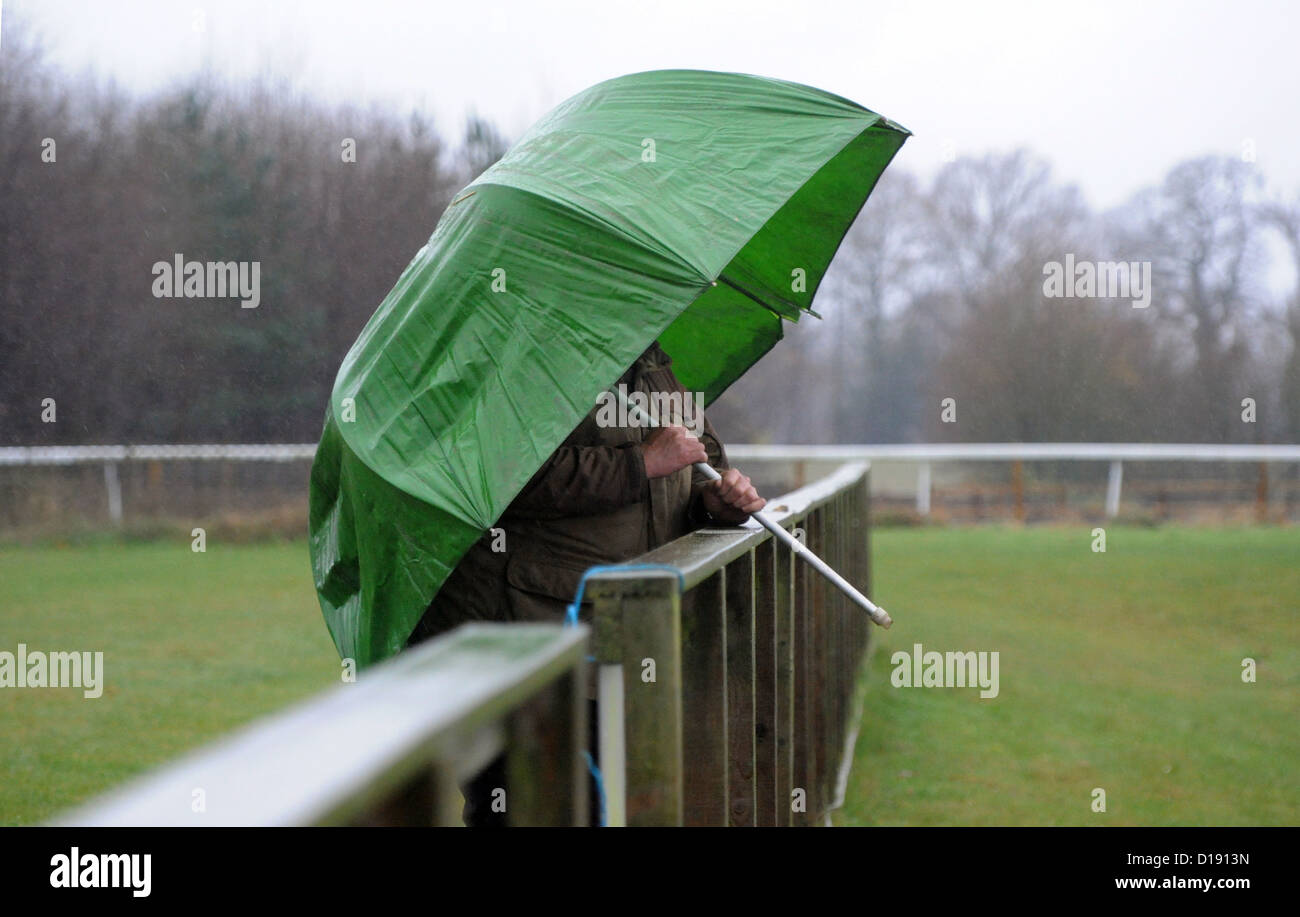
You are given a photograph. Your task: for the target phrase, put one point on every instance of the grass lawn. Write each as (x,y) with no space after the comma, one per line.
(194,645)
(1118,670)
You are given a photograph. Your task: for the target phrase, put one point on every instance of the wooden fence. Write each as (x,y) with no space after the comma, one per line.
(726,687)
(726,692)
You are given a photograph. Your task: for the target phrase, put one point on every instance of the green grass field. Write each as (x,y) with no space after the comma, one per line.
(1118,670)
(194,645)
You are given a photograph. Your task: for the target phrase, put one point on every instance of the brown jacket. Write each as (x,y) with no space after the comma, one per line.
(590,503)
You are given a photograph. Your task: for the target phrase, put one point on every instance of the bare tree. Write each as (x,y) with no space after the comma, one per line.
(1285,218)
(1200,230)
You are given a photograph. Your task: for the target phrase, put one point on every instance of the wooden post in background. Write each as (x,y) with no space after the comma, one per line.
(1018,488)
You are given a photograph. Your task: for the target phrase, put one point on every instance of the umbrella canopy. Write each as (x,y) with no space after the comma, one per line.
(693,207)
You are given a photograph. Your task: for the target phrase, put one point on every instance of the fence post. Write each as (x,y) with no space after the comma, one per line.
(923,489)
(114,487)
(611,739)
(821,678)
(740,691)
(838,649)
(638,625)
(767,650)
(862,527)
(1113,484)
(447,803)
(1018,488)
(546,776)
(705,702)
(804,736)
(785,681)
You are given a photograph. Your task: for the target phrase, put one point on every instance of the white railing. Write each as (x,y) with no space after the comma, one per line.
(111,456)
(1002,452)
(921,452)
(89,455)
(923,455)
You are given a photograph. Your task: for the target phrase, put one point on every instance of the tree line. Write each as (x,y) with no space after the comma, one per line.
(941,324)
(937,322)
(97,187)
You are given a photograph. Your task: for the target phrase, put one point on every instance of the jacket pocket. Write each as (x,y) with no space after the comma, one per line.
(539,571)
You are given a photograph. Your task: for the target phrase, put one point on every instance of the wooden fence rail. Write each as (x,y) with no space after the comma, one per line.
(392,748)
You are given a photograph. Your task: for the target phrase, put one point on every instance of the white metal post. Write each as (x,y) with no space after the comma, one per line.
(612,743)
(1113,484)
(114,488)
(923,489)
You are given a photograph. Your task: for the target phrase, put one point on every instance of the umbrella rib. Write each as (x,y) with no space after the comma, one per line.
(739,289)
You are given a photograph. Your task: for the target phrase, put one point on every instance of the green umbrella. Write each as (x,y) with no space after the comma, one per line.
(697,208)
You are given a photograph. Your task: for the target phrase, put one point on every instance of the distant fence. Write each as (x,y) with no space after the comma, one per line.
(726,697)
(68,486)
(1268,498)
(56,487)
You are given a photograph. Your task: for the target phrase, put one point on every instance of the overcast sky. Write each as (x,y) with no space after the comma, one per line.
(1111,93)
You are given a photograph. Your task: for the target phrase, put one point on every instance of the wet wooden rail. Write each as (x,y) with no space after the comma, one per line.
(392,748)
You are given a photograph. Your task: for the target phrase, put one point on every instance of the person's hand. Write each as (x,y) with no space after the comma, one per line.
(731,499)
(670,449)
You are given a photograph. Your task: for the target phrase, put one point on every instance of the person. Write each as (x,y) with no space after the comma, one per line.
(610,492)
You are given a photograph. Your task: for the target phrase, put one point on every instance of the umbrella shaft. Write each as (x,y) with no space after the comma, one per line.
(874,611)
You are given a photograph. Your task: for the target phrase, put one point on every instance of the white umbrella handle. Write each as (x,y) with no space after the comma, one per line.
(874,611)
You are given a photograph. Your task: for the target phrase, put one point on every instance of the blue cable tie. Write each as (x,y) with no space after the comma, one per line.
(571,614)
(600,787)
